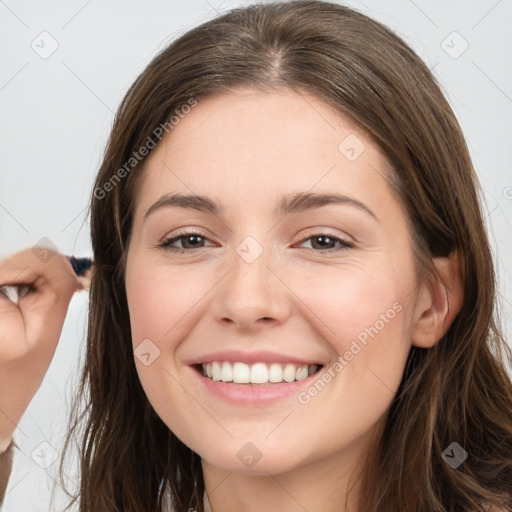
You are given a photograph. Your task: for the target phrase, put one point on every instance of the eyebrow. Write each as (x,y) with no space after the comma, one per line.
(289,204)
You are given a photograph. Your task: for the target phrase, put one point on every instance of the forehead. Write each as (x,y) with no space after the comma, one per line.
(264,142)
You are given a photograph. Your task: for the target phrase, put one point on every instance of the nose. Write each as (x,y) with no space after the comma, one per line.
(252,295)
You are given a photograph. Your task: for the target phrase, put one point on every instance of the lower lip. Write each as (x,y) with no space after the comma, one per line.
(257,394)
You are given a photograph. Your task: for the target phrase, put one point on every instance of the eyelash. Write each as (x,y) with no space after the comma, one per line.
(167,243)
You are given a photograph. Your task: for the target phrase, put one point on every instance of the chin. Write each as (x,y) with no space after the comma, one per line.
(254,458)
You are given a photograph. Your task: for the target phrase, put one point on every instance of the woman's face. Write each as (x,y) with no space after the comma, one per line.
(269,285)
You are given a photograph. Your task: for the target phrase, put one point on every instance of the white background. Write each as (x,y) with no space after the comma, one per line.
(56,115)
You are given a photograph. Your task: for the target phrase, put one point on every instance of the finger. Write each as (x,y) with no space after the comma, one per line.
(25,267)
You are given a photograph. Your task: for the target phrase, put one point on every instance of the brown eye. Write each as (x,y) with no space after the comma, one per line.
(325,243)
(189,242)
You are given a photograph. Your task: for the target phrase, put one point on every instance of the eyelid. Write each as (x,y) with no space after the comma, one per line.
(184,232)
(165,243)
(345,244)
(319,232)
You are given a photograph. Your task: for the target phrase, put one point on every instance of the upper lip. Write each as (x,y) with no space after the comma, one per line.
(262,356)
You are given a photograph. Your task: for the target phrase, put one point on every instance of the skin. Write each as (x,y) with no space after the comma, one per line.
(30,328)
(246,150)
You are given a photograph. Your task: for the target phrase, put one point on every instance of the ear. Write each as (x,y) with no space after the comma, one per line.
(438,302)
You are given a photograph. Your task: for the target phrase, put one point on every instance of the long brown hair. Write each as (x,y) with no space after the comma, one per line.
(457,391)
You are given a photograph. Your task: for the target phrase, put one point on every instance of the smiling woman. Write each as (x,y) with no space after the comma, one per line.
(288,310)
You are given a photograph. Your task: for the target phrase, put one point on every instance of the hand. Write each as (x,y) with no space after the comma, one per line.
(30,329)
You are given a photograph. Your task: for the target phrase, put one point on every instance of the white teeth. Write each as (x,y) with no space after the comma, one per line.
(226,374)
(289,373)
(215,370)
(241,373)
(275,373)
(257,373)
(302,373)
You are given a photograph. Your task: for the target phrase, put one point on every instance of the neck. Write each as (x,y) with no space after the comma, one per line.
(330,484)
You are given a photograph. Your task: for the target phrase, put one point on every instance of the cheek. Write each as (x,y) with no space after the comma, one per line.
(159,300)
(354,303)
(364,318)
(158,297)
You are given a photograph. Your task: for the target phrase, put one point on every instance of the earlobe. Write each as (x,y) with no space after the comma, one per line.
(440,298)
